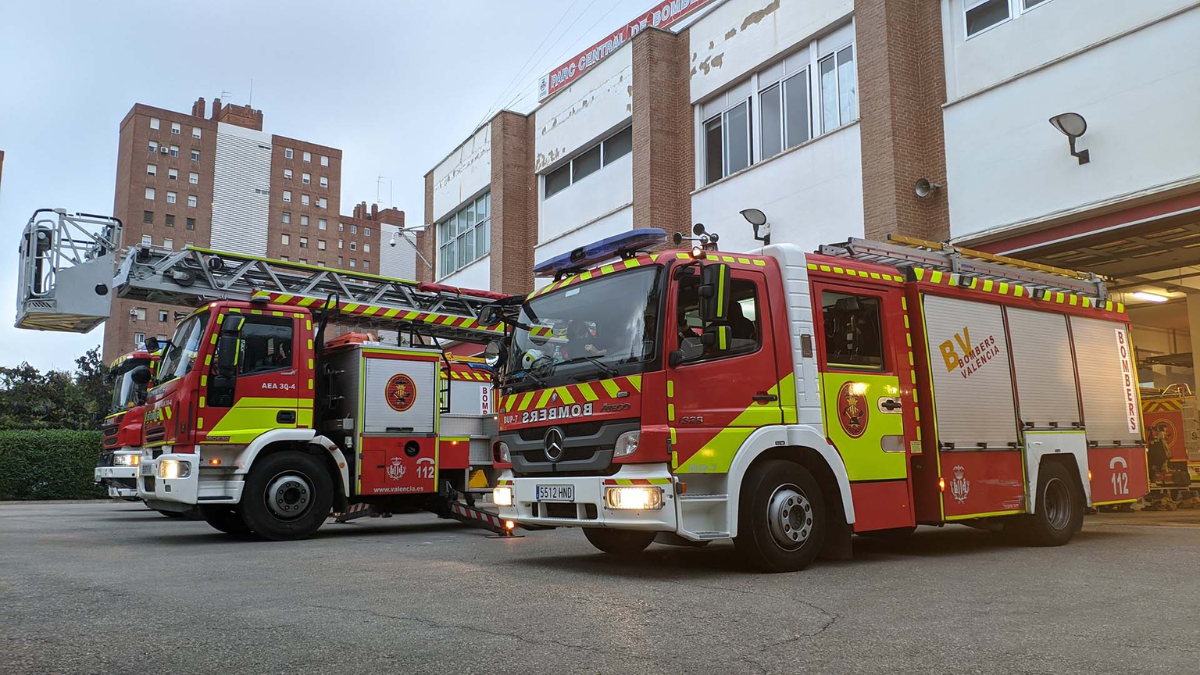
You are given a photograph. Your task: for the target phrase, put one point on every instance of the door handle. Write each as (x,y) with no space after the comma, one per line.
(286,417)
(890,404)
(764,397)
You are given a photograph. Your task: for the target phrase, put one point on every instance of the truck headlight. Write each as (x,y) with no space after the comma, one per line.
(172,468)
(502,496)
(633,498)
(627,443)
(126,460)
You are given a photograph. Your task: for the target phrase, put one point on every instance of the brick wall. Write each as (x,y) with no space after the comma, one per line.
(514,203)
(427,238)
(296,210)
(902,85)
(662,131)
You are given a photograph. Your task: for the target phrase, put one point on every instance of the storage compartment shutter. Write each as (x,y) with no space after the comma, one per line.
(1041,349)
(380,417)
(972,383)
(1107,381)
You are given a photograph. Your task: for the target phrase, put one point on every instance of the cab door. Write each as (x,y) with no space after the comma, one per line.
(717,398)
(266,391)
(863,354)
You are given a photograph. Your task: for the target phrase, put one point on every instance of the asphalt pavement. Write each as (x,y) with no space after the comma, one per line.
(112,587)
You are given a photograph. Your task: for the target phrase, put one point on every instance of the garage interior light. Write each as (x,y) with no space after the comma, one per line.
(1150,297)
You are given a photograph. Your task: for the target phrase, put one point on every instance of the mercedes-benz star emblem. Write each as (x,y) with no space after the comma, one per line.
(554,444)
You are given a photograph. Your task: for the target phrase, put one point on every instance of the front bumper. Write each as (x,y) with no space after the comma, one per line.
(590,509)
(120,480)
(199,486)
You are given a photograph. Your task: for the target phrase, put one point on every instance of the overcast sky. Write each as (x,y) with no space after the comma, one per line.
(396,85)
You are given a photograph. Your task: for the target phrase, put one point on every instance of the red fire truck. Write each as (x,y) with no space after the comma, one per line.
(117,465)
(250,414)
(786,400)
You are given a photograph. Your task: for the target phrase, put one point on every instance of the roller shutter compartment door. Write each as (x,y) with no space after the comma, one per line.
(1045,371)
(972,382)
(1107,382)
(400,395)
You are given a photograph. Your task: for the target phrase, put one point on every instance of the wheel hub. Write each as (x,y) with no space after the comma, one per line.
(1056,499)
(288,496)
(790,516)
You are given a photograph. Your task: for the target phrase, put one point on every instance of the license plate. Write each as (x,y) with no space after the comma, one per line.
(147,469)
(556,493)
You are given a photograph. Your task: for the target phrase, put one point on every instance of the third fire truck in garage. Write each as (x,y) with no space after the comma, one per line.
(786,399)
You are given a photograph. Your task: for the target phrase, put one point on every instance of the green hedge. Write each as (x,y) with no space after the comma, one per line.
(50,464)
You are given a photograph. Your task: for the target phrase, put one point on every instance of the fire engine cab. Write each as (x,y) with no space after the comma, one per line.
(117,465)
(786,400)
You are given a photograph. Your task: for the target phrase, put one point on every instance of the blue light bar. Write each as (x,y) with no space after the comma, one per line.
(591,255)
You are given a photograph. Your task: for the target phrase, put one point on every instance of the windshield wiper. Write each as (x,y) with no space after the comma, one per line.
(527,374)
(608,370)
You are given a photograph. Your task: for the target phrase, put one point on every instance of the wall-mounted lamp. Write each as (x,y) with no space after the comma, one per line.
(924,188)
(758,220)
(1073,126)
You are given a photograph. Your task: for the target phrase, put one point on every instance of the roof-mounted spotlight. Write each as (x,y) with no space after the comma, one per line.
(1072,125)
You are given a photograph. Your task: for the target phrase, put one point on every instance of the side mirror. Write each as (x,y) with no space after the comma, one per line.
(490,316)
(494,353)
(227,352)
(716,338)
(675,358)
(232,325)
(151,344)
(715,283)
(140,375)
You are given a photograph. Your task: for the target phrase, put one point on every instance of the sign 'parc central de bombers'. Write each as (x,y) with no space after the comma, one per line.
(662,15)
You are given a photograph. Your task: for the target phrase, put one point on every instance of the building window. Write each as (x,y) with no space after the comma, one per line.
(138,339)
(151,170)
(340,261)
(287,217)
(287,174)
(146,241)
(304,200)
(366,264)
(366,231)
(193,178)
(341,244)
(1027,5)
(308,156)
(169,244)
(839,89)
(981,15)
(322,203)
(287,195)
(154,123)
(727,142)
(172,174)
(171,197)
(175,128)
(287,153)
(354,246)
(285,239)
(191,223)
(195,155)
(154,147)
(322,224)
(784,114)
(320,263)
(465,236)
(303,242)
(353,229)
(148,217)
(196,133)
(305,178)
(149,193)
(303,220)
(163,315)
(193,201)
(174,150)
(353,263)
(341,227)
(590,161)
(324,181)
(170,222)
(320,244)
(304,261)
(324,160)
(367,247)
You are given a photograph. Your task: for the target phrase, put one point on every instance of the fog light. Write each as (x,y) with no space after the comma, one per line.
(170,469)
(509,525)
(627,443)
(633,498)
(502,496)
(126,460)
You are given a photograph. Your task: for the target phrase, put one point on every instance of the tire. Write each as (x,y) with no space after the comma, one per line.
(619,542)
(226,519)
(781,517)
(287,496)
(1059,509)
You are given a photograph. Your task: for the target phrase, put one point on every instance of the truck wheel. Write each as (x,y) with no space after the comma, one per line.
(619,542)
(1059,509)
(224,518)
(287,496)
(781,517)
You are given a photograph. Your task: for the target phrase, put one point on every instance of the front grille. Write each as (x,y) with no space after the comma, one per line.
(577,429)
(105,459)
(111,430)
(156,435)
(569,454)
(565,511)
(128,483)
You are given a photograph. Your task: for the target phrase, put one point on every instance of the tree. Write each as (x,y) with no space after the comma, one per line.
(30,399)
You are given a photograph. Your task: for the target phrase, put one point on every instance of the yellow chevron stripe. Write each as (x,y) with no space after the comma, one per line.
(587,392)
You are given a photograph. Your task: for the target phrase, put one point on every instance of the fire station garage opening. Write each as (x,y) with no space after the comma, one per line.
(1153,268)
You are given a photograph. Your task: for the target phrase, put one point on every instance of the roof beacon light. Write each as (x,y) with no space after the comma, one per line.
(622,245)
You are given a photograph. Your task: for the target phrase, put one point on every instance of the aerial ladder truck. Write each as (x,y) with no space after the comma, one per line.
(252,414)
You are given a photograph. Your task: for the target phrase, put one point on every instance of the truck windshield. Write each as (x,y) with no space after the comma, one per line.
(185,344)
(587,331)
(125,390)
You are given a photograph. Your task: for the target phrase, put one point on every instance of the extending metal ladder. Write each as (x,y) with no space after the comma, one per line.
(905,253)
